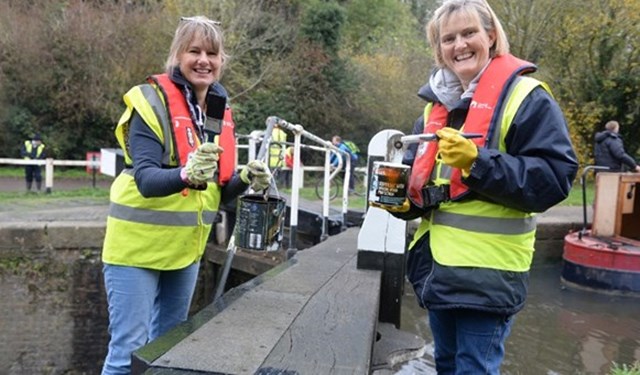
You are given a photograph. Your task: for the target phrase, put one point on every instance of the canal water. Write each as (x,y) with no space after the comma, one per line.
(560,331)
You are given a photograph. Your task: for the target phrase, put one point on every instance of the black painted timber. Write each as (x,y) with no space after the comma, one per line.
(315,314)
(392,289)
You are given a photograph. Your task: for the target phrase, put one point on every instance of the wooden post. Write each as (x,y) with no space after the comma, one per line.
(382,237)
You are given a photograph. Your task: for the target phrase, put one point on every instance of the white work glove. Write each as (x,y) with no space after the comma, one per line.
(256,175)
(202,164)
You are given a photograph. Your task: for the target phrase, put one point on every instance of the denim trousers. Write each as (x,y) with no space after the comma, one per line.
(468,341)
(143,305)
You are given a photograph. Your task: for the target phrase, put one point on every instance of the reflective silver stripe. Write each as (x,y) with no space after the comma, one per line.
(209,216)
(494,225)
(161,113)
(141,215)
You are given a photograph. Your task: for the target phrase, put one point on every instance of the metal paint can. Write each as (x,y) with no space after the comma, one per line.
(260,222)
(389,183)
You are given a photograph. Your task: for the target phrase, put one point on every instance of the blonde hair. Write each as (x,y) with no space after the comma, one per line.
(191,28)
(474,8)
(612,126)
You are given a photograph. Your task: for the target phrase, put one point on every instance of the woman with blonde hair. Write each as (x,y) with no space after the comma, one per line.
(470,257)
(178,138)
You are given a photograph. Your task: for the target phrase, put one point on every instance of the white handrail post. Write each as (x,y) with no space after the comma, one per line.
(49,175)
(345,190)
(295,191)
(253,141)
(325,195)
(382,237)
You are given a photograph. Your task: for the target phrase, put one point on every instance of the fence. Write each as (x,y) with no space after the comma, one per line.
(49,164)
(108,160)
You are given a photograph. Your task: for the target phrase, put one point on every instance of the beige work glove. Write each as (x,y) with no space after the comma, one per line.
(203,164)
(256,175)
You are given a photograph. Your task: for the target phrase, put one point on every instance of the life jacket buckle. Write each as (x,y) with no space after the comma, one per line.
(433,195)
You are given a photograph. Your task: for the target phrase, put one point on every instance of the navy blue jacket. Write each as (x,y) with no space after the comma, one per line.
(609,152)
(536,172)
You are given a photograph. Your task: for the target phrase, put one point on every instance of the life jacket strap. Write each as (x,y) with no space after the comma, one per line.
(433,195)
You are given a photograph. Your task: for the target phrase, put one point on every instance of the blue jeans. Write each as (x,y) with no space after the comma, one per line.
(143,305)
(468,341)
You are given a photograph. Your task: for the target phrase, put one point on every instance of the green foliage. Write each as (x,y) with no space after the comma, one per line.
(336,67)
(379,25)
(593,62)
(582,117)
(624,369)
(322,24)
(528,24)
(100,194)
(71,98)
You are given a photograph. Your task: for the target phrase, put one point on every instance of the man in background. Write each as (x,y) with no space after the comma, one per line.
(338,142)
(33,149)
(609,150)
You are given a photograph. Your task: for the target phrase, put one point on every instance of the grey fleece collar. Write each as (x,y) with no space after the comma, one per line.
(448,89)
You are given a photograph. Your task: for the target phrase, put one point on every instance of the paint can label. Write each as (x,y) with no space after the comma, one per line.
(259,222)
(389,183)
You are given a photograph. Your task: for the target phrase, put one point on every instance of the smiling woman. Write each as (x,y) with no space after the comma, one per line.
(197,50)
(178,138)
(470,257)
(466,40)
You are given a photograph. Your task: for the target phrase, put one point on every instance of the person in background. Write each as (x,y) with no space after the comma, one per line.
(276,152)
(288,163)
(609,150)
(178,137)
(470,257)
(336,140)
(33,149)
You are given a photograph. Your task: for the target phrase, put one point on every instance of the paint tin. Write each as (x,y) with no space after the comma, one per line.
(260,222)
(389,183)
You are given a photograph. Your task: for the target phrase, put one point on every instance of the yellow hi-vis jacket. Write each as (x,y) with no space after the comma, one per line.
(473,253)
(276,150)
(161,233)
(501,238)
(28,148)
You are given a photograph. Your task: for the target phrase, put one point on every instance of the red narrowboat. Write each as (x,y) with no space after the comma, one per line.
(606,257)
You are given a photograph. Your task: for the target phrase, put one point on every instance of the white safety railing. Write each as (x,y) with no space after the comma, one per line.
(298,170)
(250,144)
(49,164)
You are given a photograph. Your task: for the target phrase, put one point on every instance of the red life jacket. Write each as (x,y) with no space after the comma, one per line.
(183,131)
(288,157)
(486,105)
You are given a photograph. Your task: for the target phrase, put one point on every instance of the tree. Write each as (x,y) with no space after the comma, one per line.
(388,48)
(593,62)
(60,63)
(528,23)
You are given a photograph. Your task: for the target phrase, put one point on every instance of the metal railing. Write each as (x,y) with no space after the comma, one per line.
(250,143)
(319,145)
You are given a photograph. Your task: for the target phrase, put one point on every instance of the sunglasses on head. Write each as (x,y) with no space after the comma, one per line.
(200,20)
